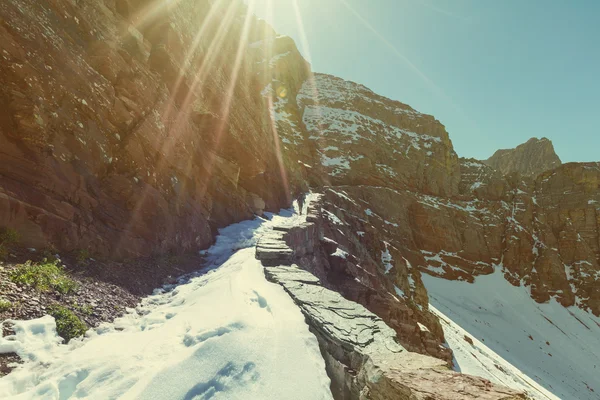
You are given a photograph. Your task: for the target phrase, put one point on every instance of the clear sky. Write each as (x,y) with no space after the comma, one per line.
(495,73)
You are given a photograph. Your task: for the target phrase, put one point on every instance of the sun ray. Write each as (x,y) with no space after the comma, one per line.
(242,47)
(226,107)
(177,125)
(303,37)
(268,73)
(206,66)
(191,53)
(174,129)
(311,76)
(282,171)
(148,14)
(268,49)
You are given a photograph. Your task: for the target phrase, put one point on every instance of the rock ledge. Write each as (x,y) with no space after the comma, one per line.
(363,357)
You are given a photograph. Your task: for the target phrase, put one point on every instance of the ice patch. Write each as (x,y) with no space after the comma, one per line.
(386,259)
(340,253)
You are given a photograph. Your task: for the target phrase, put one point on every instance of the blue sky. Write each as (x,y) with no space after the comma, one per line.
(495,73)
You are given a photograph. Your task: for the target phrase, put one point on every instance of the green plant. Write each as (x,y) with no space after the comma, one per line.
(5,305)
(44,276)
(85,309)
(8,238)
(68,325)
(82,256)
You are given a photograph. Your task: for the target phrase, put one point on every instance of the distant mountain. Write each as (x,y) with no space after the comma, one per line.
(530,158)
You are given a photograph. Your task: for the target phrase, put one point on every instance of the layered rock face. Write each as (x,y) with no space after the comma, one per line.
(417,210)
(530,158)
(543,232)
(365,139)
(362,356)
(131,125)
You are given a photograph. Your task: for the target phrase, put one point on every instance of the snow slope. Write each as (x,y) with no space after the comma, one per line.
(227,333)
(557,347)
(477,359)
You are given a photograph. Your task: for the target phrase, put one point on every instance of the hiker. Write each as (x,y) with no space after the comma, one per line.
(301,202)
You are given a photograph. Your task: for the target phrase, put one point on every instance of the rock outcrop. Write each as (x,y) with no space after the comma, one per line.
(349,263)
(362,138)
(418,210)
(530,158)
(136,125)
(362,355)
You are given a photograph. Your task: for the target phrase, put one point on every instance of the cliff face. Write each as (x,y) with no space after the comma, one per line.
(400,184)
(365,139)
(530,158)
(362,356)
(132,125)
(543,232)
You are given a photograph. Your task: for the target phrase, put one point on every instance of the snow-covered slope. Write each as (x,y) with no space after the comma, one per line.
(471,356)
(557,347)
(227,333)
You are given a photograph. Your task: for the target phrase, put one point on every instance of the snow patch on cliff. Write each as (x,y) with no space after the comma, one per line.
(326,88)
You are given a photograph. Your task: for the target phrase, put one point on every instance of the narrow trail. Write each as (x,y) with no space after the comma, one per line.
(224,332)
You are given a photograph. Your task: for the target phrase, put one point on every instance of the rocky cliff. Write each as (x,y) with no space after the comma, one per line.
(136,125)
(362,355)
(530,158)
(410,198)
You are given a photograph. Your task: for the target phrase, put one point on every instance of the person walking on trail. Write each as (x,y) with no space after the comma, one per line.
(301,202)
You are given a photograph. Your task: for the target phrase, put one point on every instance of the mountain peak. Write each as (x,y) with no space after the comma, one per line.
(530,158)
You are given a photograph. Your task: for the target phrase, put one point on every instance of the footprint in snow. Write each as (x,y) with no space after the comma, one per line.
(227,378)
(190,340)
(261,301)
